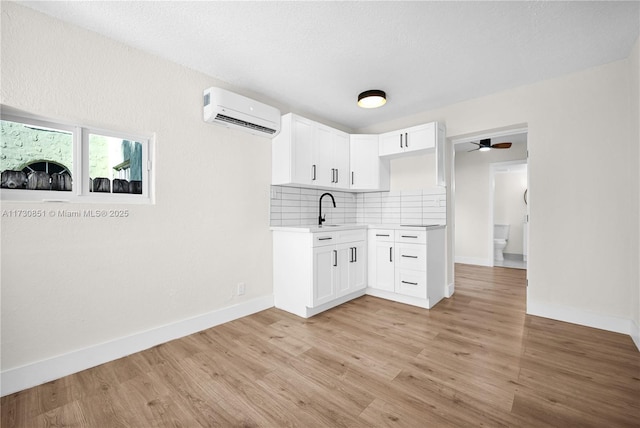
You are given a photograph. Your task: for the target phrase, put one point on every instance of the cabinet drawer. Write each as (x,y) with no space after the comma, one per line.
(411,256)
(411,236)
(324,238)
(339,237)
(351,235)
(386,235)
(411,283)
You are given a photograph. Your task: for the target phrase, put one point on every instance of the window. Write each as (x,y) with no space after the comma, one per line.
(39,160)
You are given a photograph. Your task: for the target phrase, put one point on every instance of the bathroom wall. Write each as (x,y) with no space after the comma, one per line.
(509,207)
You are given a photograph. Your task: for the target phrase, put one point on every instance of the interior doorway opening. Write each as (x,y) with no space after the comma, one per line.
(471,212)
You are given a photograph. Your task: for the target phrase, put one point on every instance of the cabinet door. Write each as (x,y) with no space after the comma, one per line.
(323,157)
(302,135)
(324,263)
(352,268)
(383,266)
(341,159)
(342,270)
(420,137)
(365,163)
(391,143)
(357,266)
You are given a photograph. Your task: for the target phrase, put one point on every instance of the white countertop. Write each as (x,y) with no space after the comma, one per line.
(328,227)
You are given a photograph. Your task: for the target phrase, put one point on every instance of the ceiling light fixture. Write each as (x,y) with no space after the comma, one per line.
(372,99)
(484,148)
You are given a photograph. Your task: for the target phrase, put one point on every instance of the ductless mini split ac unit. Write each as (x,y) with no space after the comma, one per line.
(225,108)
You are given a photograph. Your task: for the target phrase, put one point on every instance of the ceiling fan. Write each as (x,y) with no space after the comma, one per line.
(485,145)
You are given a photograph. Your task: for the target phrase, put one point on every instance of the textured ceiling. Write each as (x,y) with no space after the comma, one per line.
(315,57)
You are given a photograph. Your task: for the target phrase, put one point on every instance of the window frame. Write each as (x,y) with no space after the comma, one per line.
(80,192)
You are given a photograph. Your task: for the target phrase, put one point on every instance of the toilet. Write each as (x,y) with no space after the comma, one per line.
(500,238)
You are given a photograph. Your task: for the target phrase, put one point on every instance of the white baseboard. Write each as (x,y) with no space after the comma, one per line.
(473,261)
(451,288)
(577,316)
(27,376)
(635,333)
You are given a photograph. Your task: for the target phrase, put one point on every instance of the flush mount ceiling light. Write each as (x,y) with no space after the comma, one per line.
(372,99)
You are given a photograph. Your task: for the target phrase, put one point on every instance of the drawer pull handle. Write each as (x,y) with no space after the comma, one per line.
(410,257)
(377,234)
(410,283)
(409,236)
(324,239)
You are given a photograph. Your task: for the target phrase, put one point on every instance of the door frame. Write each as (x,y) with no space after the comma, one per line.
(451,209)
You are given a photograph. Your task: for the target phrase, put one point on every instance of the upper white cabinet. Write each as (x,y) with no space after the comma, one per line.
(310,153)
(416,138)
(331,158)
(426,138)
(368,170)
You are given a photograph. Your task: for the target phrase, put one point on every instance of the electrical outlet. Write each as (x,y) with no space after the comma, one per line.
(241,288)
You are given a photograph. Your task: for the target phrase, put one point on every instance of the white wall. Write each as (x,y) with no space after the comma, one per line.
(63,286)
(509,207)
(582,142)
(473,202)
(413,172)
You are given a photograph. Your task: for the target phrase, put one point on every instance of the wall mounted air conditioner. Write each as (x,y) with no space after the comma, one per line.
(235,111)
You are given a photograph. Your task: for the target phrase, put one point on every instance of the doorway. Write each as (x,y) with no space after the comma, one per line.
(508,220)
(471,195)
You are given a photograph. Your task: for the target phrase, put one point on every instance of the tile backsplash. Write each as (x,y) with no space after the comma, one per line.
(296,206)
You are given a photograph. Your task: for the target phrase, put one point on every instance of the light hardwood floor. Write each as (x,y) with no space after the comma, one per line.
(474,360)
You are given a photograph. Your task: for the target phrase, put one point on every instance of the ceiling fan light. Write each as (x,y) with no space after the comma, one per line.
(372,99)
(484,148)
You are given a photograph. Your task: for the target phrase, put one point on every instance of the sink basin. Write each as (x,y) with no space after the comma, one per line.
(330,225)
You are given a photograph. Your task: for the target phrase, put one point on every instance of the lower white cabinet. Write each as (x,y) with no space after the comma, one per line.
(407,265)
(381,259)
(338,270)
(315,271)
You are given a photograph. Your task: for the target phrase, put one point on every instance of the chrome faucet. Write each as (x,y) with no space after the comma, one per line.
(320,216)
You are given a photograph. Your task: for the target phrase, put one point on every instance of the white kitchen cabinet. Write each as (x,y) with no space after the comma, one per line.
(416,273)
(427,138)
(368,170)
(381,259)
(317,271)
(331,157)
(292,152)
(409,140)
(323,275)
(309,153)
(338,270)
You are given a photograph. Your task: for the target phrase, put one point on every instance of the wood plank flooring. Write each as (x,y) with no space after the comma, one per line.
(474,360)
